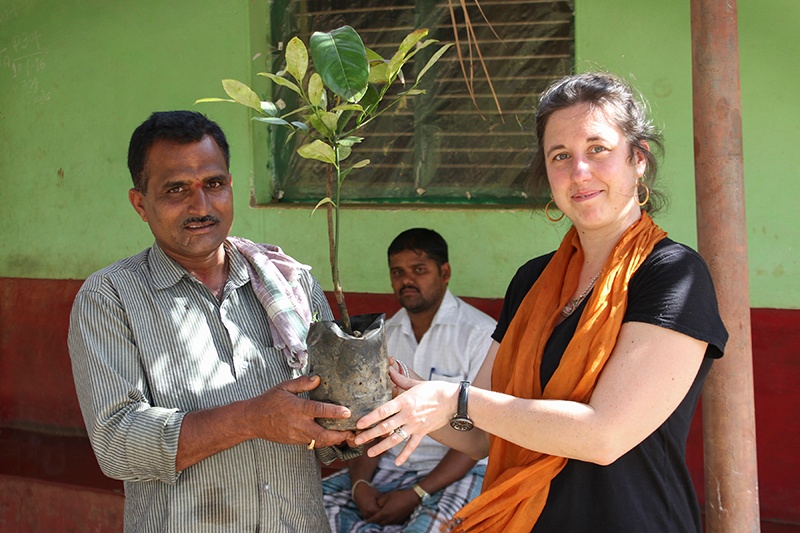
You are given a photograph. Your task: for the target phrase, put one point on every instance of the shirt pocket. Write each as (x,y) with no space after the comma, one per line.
(441,374)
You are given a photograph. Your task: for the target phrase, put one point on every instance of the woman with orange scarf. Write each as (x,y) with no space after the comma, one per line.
(584,402)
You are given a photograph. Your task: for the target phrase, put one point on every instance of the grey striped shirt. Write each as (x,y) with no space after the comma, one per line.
(149,343)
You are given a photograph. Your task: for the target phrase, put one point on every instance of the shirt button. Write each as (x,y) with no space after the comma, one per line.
(266,487)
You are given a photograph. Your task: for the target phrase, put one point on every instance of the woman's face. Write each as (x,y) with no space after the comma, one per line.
(592,176)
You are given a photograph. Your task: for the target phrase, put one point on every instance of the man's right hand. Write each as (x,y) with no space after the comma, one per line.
(366,497)
(280,415)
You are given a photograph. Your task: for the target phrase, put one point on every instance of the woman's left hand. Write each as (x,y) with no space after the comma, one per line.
(424,407)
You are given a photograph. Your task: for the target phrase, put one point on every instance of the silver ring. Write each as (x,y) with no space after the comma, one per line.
(403,434)
(403,368)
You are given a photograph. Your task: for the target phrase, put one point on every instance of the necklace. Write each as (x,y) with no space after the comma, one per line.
(573,304)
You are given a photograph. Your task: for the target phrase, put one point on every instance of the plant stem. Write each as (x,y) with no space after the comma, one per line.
(333,241)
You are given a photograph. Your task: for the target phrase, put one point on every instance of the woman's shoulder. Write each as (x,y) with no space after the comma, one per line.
(669,255)
(519,286)
(668,249)
(673,289)
(532,269)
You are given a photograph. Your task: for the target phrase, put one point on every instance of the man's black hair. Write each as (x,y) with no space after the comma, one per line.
(177,126)
(421,240)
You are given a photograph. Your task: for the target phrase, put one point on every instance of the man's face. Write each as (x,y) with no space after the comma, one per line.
(189,199)
(418,282)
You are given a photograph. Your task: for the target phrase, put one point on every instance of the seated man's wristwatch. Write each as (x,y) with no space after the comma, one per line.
(461,421)
(422,493)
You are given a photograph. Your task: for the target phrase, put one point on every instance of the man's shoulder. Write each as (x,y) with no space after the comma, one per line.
(120,270)
(397,319)
(470,315)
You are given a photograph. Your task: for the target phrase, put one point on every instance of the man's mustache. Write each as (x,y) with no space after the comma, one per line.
(200,220)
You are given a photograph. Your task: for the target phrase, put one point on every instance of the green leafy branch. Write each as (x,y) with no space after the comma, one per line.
(342,88)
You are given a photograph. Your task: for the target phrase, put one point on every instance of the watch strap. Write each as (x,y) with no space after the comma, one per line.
(463,397)
(422,493)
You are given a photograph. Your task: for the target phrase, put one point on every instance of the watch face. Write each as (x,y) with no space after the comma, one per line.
(461,423)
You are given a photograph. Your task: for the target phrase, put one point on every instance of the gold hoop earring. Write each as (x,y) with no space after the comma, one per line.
(646,196)
(547,212)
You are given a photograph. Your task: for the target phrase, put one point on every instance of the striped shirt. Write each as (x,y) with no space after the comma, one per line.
(150,343)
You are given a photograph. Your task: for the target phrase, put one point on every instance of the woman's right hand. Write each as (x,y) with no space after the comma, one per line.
(424,407)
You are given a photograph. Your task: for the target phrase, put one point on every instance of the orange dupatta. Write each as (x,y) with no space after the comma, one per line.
(517,480)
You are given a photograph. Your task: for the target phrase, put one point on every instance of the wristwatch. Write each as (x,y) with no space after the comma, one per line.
(461,421)
(422,493)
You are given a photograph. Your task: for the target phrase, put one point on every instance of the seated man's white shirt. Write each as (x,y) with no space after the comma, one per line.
(453,350)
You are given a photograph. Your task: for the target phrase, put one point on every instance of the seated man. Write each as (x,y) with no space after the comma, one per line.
(439,337)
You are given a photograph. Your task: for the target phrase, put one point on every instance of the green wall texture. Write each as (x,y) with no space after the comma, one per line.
(77,77)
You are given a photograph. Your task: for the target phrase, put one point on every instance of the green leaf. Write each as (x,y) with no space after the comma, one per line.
(395,64)
(434,58)
(242,94)
(300,125)
(421,46)
(270,108)
(330,120)
(413,92)
(411,39)
(297,59)
(372,55)
(379,71)
(322,202)
(317,124)
(272,120)
(350,141)
(344,118)
(370,101)
(348,107)
(343,174)
(346,172)
(318,150)
(209,100)
(281,81)
(315,90)
(341,59)
(377,67)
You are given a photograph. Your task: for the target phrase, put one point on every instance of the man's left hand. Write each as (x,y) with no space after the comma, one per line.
(396,507)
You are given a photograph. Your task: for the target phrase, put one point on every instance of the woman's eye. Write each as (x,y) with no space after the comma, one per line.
(598,149)
(560,157)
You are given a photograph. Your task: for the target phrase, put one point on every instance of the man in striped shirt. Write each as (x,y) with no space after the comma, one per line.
(191,384)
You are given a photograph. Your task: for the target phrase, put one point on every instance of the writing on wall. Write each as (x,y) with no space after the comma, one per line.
(23,56)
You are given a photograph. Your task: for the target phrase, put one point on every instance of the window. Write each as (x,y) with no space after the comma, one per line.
(437,148)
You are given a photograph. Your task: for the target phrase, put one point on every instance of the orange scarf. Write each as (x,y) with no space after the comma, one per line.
(517,480)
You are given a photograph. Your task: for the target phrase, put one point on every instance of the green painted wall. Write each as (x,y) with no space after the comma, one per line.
(77,77)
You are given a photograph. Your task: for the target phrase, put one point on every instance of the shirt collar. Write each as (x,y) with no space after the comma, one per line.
(167,272)
(446,314)
(448,310)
